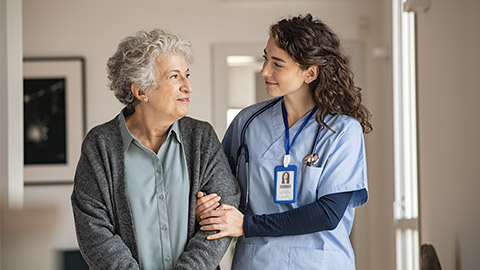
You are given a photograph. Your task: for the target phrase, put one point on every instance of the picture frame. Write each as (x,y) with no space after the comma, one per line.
(54,118)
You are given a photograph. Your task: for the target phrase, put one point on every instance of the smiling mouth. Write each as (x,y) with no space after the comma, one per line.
(187,99)
(270,83)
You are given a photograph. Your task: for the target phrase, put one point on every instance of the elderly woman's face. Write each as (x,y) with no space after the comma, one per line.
(172,96)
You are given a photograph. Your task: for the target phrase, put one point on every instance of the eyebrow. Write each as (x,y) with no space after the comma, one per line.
(273,57)
(178,71)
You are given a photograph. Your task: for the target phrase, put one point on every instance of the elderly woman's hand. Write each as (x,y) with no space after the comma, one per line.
(206,203)
(226,219)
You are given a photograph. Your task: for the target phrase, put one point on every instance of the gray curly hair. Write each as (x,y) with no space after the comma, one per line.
(135,61)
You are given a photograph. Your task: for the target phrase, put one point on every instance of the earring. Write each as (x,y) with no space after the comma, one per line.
(145,99)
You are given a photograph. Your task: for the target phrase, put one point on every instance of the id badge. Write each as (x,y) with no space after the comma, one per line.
(285,184)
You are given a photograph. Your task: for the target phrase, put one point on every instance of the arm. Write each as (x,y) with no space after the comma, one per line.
(323,214)
(99,243)
(209,171)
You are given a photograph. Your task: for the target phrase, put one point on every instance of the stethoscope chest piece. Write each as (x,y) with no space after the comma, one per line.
(310,159)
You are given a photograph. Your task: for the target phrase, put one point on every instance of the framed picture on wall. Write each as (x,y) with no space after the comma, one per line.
(54,118)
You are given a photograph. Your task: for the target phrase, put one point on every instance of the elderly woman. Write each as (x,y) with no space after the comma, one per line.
(136,180)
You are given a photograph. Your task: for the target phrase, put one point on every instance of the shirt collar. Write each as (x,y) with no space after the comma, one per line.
(175,129)
(127,137)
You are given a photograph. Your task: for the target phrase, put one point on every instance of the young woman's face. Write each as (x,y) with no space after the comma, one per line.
(283,76)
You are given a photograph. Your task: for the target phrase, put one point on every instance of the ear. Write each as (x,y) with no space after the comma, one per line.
(139,93)
(311,73)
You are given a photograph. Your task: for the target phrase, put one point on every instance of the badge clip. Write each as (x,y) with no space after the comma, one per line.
(286,160)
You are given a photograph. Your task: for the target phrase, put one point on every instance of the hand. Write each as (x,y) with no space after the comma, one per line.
(206,203)
(226,219)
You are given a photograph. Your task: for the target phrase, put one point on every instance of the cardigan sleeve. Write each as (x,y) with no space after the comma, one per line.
(211,173)
(100,244)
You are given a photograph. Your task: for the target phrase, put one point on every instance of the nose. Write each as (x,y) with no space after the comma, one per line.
(186,86)
(265,72)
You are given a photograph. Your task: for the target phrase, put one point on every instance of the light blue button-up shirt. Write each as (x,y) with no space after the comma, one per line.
(158,192)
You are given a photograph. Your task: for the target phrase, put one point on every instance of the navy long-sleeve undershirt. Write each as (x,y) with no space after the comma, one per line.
(323,214)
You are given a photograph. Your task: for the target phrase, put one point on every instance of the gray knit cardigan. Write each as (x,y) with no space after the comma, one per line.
(103,217)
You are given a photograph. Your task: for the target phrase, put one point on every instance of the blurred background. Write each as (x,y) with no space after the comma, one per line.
(228,37)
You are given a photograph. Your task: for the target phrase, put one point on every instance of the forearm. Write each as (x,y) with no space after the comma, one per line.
(101,248)
(201,253)
(221,180)
(323,214)
(97,235)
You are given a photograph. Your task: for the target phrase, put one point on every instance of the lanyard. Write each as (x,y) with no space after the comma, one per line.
(288,145)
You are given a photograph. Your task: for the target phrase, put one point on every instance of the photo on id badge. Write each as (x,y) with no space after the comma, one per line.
(285,184)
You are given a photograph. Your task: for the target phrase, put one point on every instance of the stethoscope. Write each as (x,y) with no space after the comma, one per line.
(309,160)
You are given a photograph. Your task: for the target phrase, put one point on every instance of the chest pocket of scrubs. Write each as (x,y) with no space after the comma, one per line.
(309,183)
(307,258)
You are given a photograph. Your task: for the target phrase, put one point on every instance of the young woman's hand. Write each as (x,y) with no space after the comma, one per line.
(206,203)
(226,219)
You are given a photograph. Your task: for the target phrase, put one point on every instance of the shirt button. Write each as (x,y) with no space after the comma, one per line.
(167,259)
(164,227)
(161,197)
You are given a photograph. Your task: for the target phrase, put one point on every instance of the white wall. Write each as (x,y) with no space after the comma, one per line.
(3,119)
(375,245)
(449,130)
(92,29)
(11,115)
(11,147)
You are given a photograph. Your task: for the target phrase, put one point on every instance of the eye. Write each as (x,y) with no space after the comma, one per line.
(174,76)
(277,65)
(188,76)
(265,58)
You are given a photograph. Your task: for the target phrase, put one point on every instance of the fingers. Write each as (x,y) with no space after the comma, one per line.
(210,221)
(201,194)
(227,220)
(212,213)
(212,198)
(208,202)
(222,229)
(224,225)
(226,207)
(217,236)
(221,211)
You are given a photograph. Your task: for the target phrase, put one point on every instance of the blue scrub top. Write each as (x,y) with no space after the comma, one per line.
(341,167)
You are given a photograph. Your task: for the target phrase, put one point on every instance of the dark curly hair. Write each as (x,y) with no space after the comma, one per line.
(310,42)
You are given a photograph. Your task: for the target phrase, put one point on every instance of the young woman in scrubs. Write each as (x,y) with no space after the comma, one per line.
(314,133)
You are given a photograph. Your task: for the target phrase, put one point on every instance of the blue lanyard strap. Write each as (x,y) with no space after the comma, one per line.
(288,146)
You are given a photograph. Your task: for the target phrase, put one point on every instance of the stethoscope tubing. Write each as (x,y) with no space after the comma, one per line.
(244,147)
